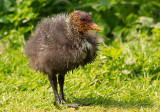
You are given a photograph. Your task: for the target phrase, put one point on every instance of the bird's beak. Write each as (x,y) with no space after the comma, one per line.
(93,26)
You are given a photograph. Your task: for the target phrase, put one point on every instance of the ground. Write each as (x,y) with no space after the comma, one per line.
(124,77)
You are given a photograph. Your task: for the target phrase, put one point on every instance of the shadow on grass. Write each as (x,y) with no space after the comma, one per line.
(110,102)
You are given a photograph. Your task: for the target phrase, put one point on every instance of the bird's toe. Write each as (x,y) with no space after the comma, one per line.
(63,101)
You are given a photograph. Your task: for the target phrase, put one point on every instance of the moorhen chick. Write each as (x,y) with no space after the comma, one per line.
(60,44)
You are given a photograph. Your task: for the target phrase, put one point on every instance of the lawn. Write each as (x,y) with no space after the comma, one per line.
(124,77)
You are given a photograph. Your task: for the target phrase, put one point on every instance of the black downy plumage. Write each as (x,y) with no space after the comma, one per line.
(60,44)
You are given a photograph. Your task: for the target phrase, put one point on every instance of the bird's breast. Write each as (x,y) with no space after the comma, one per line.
(86,49)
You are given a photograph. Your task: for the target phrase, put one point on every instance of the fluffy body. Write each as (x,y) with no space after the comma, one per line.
(57,46)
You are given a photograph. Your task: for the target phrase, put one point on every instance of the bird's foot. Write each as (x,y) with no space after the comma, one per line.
(72,105)
(63,101)
(82,104)
(60,101)
(76,105)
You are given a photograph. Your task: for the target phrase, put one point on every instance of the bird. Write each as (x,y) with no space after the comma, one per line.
(60,44)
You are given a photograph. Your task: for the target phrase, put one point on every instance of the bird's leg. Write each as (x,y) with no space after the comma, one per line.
(53,81)
(61,84)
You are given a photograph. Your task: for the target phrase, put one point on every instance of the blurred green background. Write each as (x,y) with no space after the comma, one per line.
(113,16)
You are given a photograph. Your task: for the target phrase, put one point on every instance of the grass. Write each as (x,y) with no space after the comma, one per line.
(124,77)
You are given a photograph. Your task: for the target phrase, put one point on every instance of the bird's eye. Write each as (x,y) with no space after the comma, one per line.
(82,19)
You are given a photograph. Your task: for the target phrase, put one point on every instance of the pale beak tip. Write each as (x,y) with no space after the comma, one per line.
(95,27)
(99,29)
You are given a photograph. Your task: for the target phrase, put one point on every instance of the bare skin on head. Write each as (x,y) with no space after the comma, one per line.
(84,21)
(61,44)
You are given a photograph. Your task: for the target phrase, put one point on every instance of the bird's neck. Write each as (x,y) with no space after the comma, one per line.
(74,32)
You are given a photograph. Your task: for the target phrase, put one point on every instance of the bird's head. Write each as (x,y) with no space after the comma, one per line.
(84,21)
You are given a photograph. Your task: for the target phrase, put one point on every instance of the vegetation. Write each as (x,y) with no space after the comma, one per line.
(124,77)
